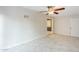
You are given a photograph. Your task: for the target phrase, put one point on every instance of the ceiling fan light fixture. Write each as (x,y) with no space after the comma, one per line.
(51,12)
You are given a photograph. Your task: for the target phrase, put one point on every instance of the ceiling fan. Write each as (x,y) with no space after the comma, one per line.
(54,10)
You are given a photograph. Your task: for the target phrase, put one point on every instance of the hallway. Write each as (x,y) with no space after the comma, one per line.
(52,43)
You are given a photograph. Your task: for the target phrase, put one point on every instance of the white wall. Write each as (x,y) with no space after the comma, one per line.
(62,25)
(1,28)
(18,30)
(75,26)
(67,25)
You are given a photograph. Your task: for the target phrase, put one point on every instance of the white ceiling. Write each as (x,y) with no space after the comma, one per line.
(69,10)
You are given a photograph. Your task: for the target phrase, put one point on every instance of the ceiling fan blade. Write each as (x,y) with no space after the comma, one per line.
(59,9)
(50,6)
(47,13)
(55,12)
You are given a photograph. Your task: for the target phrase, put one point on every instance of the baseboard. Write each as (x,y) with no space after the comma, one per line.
(67,35)
(18,44)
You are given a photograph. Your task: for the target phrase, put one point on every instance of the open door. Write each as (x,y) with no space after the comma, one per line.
(49,26)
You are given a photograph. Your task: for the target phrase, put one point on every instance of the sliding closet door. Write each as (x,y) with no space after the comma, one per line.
(75,27)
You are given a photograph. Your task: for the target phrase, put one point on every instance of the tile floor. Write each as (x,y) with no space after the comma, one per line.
(52,43)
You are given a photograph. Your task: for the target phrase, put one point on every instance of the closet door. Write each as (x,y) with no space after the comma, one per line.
(75,27)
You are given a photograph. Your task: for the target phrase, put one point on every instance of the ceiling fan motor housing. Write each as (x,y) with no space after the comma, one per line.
(49,6)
